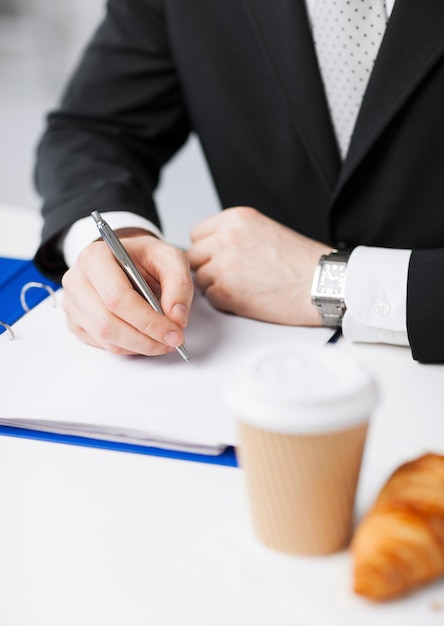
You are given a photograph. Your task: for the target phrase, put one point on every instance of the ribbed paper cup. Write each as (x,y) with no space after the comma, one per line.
(303,416)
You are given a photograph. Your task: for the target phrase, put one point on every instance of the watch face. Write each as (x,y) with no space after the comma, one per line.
(331,279)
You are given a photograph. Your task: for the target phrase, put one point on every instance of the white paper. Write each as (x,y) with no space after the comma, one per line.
(53,382)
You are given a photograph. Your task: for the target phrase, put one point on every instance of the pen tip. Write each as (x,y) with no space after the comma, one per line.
(183,353)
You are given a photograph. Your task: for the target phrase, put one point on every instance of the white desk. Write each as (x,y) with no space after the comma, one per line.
(97,537)
(19,231)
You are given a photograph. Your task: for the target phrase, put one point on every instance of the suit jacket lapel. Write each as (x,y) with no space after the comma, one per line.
(413,42)
(285,38)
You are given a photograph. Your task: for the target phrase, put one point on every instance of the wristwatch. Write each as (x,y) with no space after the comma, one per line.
(327,290)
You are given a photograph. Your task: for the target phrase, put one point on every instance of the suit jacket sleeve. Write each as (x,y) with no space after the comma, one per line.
(121,118)
(425,305)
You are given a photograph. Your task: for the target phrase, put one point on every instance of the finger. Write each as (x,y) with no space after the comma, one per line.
(81,333)
(86,338)
(123,302)
(237,216)
(122,318)
(205,228)
(172,271)
(96,325)
(200,253)
(204,277)
(85,310)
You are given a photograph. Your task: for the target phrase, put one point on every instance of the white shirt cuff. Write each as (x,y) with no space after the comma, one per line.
(376,296)
(84,231)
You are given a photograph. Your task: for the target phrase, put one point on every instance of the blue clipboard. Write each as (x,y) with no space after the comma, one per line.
(14,274)
(227,457)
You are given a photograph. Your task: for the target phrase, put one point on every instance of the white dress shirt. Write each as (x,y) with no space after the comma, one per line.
(311,6)
(376,279)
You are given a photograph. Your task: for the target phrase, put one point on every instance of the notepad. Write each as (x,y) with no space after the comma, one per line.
(52,382)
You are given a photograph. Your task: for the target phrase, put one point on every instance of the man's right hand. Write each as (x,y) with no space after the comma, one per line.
(103,309)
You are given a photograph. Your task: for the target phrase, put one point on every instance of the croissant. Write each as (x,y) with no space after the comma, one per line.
(399,544)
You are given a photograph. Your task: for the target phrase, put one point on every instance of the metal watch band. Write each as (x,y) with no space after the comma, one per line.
(339,256)
(331,312)
(332,308)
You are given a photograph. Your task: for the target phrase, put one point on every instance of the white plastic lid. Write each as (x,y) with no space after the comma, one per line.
(300,390)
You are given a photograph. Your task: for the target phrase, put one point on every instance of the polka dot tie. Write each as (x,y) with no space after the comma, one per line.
(347,36)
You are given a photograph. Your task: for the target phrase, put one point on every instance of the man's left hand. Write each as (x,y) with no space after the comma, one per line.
(250,265)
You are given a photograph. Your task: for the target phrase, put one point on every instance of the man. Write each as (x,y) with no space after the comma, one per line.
(301,179)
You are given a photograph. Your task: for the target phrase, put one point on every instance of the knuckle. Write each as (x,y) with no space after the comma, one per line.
(105,329)
(230,238)
(225,290)
(113,349)
(183,285)
(89,253)
(246,211)
(85,256)
(154,328)
(69,308)
(179,260)
(241,214)
(67,280)
(147,326)
(178,254)
(113,300)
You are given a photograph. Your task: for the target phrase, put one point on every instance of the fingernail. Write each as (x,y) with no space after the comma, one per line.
(180,313)
(172,338)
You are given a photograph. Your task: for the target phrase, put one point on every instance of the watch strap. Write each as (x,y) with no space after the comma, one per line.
(331,312)
(338,256)
(332,308)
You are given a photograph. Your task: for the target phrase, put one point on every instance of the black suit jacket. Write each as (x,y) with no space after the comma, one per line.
(243,75)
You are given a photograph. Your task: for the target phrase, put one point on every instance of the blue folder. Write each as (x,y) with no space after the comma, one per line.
(14,273)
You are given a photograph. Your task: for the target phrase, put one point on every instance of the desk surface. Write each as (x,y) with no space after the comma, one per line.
(19,231)
(94,537)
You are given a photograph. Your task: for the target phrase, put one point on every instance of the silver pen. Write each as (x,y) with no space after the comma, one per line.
(136,278)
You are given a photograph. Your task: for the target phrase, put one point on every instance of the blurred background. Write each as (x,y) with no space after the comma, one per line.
(40,43)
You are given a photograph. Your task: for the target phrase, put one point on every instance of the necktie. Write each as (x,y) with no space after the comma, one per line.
(347,36)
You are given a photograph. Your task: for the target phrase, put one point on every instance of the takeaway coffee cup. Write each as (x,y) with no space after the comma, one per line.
(302,416)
